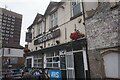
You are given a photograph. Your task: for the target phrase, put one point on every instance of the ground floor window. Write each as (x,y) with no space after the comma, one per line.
(38,61)
(29,63)
(111,64)
(52,60)
(13,60)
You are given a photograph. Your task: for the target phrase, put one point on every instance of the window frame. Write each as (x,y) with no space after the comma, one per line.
(37,63)
(13,60)
(40,28)
(52,57)
(77,3)
(53,19)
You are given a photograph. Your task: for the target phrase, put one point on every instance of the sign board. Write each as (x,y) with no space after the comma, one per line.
(47,37)
(54,74)
(28,37)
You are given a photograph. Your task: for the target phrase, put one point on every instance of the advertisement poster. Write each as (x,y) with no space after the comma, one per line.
(54,74)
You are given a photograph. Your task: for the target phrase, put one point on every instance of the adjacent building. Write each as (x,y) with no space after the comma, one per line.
(77,39)
(10,25)
(103,35)
(11,53)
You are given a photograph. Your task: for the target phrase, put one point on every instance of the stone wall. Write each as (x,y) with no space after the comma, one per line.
(103,32)
(102,29)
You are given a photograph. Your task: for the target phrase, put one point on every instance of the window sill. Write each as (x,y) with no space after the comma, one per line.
(75,16)
(53,28)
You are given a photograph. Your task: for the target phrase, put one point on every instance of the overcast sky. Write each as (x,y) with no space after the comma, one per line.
(29,9)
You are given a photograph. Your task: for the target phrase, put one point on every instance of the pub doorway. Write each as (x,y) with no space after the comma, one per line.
(76,65)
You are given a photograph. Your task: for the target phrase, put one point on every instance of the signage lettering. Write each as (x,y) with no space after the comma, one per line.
(54,74)
(47,37)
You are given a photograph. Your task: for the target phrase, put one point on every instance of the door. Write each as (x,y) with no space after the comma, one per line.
(79,66)
(70,66)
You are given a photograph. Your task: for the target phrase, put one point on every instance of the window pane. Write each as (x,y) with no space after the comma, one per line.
(35,65)
(55,59)
(40,65)
(49,65)
(50,54)
(39,60)
(76,9)
(29,62)
(55,65)
(53,20)
(13,60)
(49,59)
(35,61)
(62,62)
(57,53)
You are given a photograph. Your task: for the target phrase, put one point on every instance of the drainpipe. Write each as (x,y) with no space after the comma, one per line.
(87,72)
(83,10)
(43,70)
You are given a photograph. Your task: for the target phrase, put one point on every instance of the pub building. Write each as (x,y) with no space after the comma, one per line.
(56,41)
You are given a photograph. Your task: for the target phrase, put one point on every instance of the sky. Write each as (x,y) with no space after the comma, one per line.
(29,9)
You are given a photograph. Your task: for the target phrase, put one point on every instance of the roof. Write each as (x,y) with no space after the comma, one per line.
(38,16)
(51,6)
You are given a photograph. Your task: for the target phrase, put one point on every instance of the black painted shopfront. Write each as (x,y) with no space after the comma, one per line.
(72,60)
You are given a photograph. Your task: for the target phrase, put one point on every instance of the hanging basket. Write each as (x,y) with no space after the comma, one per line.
(26,50)
(75,35)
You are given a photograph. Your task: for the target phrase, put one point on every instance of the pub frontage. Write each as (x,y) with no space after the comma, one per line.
(57,44)
(69,59)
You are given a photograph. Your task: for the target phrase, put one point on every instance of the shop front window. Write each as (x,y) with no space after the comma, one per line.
(38,61)
(52,60)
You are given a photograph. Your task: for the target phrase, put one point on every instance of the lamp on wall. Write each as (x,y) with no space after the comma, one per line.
(58,42)
(62,7)
(41,47)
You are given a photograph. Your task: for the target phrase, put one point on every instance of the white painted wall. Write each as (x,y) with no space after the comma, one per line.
(13,52)
(0,52)
(111,64)
(64,22)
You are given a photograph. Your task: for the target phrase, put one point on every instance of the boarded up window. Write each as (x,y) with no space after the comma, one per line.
(111,64)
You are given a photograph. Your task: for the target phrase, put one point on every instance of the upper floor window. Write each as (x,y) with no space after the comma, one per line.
(76,8)
(53,20)
(13,60)
(0,20)
(9,18)
(33,33)
(40,28)
(0,17)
